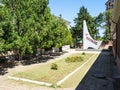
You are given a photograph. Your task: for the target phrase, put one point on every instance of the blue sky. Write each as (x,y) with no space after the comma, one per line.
(70,8)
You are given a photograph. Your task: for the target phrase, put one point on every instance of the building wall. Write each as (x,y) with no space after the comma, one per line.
(110,4)
(116,32)
(114,47)
(118,44)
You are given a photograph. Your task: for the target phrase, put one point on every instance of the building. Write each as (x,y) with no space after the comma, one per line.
(67,23)
(116,32)
(110,4)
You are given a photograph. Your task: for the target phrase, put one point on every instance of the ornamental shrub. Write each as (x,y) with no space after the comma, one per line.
(54,66)
(83,53)
(74,59)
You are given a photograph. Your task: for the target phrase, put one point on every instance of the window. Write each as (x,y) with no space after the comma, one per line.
(112,6)
(112,0)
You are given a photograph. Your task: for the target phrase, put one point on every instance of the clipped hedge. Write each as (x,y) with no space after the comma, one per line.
(83,53)
(74,59)
(54,66)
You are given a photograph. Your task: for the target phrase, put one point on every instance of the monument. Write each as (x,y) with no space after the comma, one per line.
(88,41)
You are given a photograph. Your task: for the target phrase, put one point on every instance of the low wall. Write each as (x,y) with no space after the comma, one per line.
(66,47)
(118,64)
(116,43)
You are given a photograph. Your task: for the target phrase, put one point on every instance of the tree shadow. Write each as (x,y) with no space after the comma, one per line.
(104,43)
(41,58)
(12,60)
(6,62)
(99,76)
(35,60)
(3,71)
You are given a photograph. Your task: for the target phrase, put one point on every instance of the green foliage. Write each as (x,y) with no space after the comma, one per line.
(77,30)
(99,22)
(28,25)
(108,19)
(54,66)
(83,53)
(74,59)
(103,20)
(6,29)
(68,38)
(83,15)
(61,34)
(99,19)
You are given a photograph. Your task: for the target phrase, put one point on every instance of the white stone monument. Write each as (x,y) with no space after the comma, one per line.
(88,41)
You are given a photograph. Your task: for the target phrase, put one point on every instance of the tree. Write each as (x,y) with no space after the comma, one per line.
(21,29)
(6,29)
(61,33)
(104,20)
(108,19)
(99,23)
(27,25)
(42,18)
(77,30)
(30,19)
(84,15)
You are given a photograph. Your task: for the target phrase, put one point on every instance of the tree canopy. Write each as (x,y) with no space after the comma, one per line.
(94,24)
(108,20)
(83,15)
(103,20)
(28,25)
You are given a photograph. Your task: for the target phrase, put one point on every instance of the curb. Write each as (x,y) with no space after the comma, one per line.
(31,81)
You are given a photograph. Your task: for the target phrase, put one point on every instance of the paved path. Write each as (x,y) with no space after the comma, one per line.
(99,75)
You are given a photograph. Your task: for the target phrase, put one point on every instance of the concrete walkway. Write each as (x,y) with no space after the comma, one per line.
(99,75)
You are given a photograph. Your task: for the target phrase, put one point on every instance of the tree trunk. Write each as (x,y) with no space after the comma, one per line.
(109,33)
(19,56)
(60,49)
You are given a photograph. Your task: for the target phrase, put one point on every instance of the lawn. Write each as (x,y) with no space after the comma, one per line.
(44,73)
(76,78)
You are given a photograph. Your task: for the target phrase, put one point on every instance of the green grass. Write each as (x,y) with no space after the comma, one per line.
(76,78)
(44,72)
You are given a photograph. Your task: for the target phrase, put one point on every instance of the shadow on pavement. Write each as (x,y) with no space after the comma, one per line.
(99,76)
(12,60)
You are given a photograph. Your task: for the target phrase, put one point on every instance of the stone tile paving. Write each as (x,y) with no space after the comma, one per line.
(99,75)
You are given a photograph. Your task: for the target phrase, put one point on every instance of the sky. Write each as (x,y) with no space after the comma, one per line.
(69,8)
